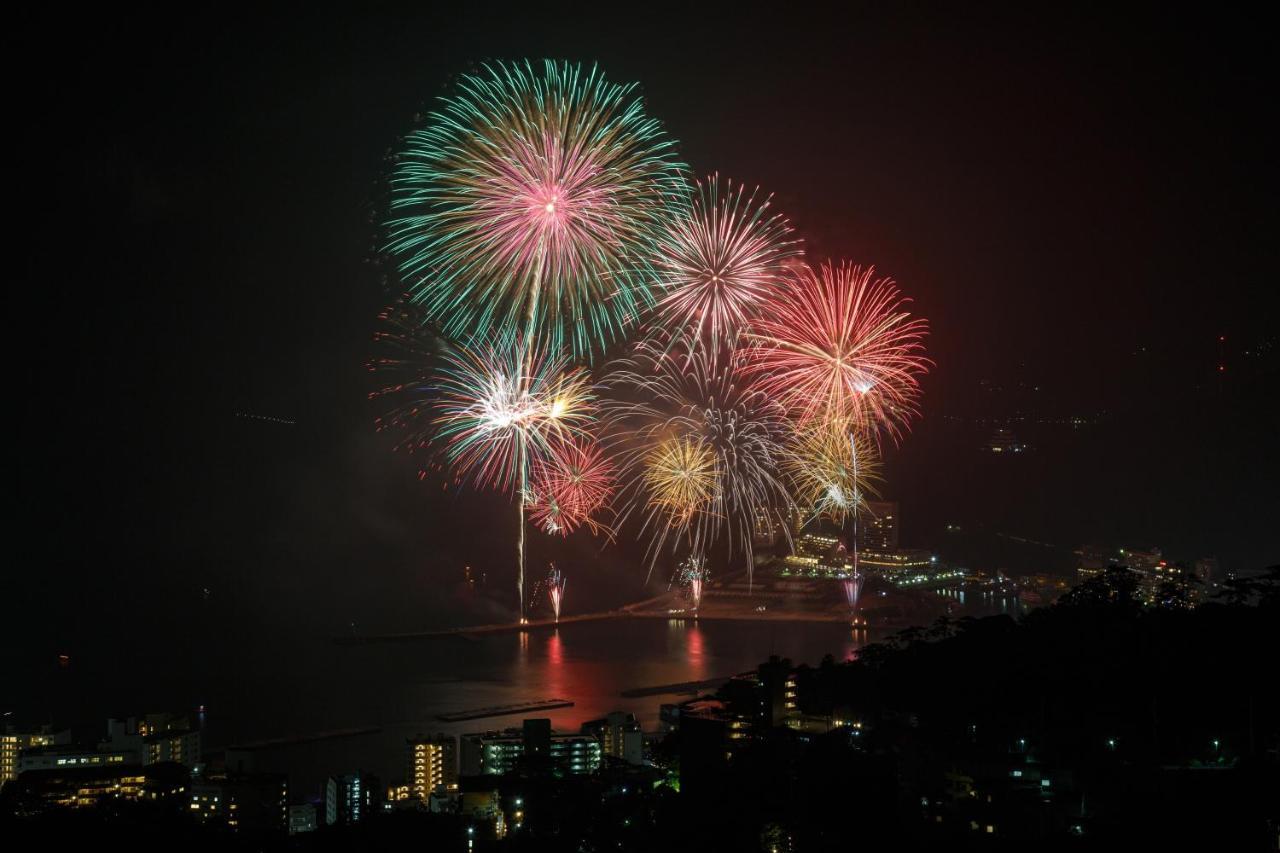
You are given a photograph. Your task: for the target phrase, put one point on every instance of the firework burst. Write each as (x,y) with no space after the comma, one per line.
(571,486)
(500,411)
(707,427)
(831,469)
(530,204)
(719,262)
(680,478)
(838,345)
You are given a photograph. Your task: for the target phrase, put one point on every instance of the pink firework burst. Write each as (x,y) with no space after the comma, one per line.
(839,345)
(719,262)
(571,486)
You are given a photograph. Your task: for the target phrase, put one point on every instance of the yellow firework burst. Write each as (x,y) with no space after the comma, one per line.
(680,476)
(831,468)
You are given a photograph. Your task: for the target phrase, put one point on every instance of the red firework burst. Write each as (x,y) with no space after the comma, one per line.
(571,486)
(838,345)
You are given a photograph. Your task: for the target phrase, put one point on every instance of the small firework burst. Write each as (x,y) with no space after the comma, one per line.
(571,485)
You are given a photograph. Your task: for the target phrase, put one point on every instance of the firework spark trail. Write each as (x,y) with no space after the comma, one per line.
(692,575)
(531,179)
(718,263)
(570,486)
(694,409)
(556,583)
(853,590)
(837,345)
(403,365)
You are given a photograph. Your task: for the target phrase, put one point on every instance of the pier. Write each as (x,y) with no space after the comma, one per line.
(504,710)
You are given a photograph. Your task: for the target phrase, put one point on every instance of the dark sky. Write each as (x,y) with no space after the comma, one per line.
(1081,204)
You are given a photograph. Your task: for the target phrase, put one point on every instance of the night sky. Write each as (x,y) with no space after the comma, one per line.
(1080,204)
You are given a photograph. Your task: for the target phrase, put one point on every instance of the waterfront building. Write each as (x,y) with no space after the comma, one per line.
(43,791)
(619,735)
(432,762)
(819,555)
(907,566)
(69,755)
(15,740)
(154,738)
(878,525)
(534,745)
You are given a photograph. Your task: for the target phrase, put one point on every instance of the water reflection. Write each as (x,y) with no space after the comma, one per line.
(695,654)
(555,678)
(402,687)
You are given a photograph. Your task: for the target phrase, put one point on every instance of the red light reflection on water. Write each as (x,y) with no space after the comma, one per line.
(695,652)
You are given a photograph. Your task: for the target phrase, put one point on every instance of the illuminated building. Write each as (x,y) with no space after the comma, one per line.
(400,796)
(878,526)
(819,555)
(67,756)
(768,528)
(483,804)
(502,752)
(1093,561)
(906,567)
(619,735)
(256,803)
(1170,585)
(14,740)
(1158,581)
(90,785)
(432,762)
(777,679)
(349,799)
(155,738)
